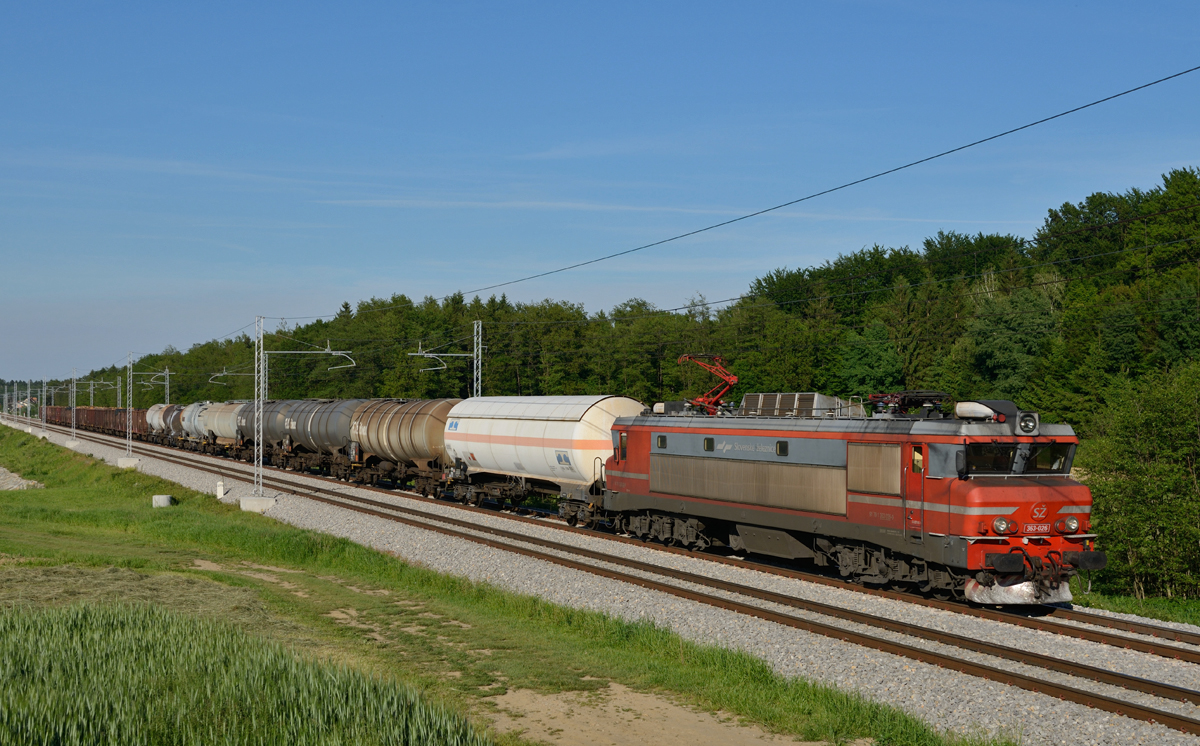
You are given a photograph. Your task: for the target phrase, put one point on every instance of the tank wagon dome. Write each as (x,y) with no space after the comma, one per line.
(560,439)
(402,430)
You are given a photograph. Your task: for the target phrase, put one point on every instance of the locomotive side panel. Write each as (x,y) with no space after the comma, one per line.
(820,489)
(873,468)
(755,469)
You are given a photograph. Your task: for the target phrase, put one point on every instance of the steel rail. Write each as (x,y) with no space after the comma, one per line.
(1126,625)
(1052,621)
(922,655)
(1180,722)
(1081,670)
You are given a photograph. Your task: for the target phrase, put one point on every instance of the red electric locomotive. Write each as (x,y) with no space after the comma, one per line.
(979,504)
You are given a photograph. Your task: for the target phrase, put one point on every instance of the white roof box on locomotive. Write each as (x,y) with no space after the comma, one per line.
(560,439)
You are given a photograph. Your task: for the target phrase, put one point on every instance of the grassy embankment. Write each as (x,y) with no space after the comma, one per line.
(1185,610)
(91,535)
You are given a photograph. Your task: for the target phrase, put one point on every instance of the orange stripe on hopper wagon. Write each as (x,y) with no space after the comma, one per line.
(516,440)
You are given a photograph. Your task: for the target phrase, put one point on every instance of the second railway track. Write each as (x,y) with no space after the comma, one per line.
(1056,620)
(748,600)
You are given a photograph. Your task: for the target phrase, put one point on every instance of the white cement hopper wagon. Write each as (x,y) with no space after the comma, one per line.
(558,439)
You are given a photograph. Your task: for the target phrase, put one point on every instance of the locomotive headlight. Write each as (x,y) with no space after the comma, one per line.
(1028,423)
(1068,525)
(1003,525)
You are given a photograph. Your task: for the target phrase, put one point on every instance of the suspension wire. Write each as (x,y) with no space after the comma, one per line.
(814,195)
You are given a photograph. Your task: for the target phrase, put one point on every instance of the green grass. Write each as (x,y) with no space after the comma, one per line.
(126,674)
(458,641)
(1185,610)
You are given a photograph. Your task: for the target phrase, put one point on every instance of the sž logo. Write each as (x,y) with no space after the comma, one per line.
(1039,511)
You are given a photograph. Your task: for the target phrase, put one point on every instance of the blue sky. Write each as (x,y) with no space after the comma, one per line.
(167,172)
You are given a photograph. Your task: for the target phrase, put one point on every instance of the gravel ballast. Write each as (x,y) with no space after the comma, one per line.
(946,699)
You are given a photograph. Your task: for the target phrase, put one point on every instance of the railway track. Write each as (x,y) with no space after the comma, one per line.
(1046,619)
(758,602)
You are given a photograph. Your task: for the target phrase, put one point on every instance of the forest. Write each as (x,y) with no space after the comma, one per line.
(1092,321)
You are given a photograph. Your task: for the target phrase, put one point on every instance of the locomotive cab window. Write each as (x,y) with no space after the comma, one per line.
(708,444)
(623,448)
(1049,458)
(781,448)
(990,458)
(662,441)
(1019,458)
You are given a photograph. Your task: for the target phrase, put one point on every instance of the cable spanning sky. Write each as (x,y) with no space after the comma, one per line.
(168,173)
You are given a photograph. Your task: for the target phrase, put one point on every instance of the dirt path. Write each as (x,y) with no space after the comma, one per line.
(618,716)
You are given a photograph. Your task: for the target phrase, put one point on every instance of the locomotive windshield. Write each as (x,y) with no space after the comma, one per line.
(1019,458)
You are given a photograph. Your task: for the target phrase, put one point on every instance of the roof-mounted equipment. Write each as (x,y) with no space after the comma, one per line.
(711,402)
(999,410)
(901,402)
